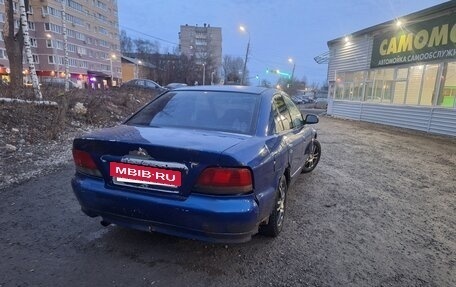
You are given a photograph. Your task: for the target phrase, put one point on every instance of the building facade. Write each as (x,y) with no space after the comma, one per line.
(204,43)
(93,40)
(401,72)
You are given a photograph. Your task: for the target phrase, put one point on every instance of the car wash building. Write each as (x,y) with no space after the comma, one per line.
(400,73)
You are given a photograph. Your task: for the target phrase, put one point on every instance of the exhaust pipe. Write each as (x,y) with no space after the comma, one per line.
(105,223)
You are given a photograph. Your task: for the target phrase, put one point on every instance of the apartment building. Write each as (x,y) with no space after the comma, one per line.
(202,42)
(93,40)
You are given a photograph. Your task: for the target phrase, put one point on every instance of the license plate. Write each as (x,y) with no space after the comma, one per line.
(130,173)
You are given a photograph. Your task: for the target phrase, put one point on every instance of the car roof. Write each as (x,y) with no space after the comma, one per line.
(140,79)
(226,88)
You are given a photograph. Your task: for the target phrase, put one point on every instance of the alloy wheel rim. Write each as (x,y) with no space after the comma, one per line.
(281,203)
(310,162)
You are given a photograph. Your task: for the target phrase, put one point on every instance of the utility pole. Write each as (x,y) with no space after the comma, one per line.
(245,62)
(243,29)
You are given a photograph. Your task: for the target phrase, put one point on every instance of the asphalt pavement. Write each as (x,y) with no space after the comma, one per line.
(379,210)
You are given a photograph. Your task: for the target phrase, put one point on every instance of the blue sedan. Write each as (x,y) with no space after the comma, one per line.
(212,163)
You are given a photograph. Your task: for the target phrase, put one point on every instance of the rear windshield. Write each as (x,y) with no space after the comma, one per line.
(207,110)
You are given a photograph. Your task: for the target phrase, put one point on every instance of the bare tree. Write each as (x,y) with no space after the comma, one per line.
(14,44)
(66,60)
(297,86)
(144,48)
(126,43)
(233,67)
(28,50)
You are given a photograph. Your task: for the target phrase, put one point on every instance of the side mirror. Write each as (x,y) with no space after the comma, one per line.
(311,119)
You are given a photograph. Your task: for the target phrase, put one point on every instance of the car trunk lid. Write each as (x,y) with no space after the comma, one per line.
(128,156)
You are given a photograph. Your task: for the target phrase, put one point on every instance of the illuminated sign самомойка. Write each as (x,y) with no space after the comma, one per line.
(421,42)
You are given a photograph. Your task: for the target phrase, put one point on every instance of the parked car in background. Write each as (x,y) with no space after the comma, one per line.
(321,103)
(142,84)
(297,99)
(307,100)
(172,86)
(57,83)
(210,163)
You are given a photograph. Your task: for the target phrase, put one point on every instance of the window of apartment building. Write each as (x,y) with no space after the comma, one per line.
(102,30)
(33,42)
(105,67)
(36,59)
(80,36)
(51,60)
(48,10)
(101,5)
(82,50)
(103,43)
(2,19)
(101,17)
(73,62)
(74,20)
(53,28)
(71,33)
(31,26)
(83,64)
(54,44)
(75,5)
(72,48)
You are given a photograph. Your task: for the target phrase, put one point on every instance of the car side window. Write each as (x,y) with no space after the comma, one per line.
(296,116)
(150,84)
(274,120)
(283,113)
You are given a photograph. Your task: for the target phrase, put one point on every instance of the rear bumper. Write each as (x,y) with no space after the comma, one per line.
(208,218)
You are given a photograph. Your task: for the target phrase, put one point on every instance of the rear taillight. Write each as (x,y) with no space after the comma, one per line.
(84,163)
(225,181)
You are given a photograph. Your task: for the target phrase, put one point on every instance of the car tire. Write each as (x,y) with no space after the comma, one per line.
(276,219)
(313,158)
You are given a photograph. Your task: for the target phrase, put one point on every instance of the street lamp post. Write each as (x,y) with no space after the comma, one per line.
(243,29)
(212,77)
(204,74)
(112,57)
(290,60)
(137,69)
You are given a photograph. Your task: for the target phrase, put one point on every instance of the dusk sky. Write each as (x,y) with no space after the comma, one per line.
(278,29)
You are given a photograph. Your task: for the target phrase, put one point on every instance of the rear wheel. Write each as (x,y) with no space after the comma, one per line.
(313,158)
(275,222)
